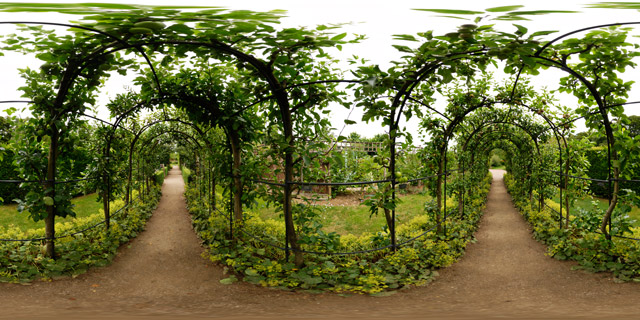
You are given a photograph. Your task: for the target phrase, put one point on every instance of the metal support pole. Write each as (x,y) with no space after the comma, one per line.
(464,190)
(287,187)
(393,193)
(560,183)
(609,187)
(230,208)
(444,217)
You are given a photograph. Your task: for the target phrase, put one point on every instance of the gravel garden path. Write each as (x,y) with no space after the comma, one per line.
(161,275)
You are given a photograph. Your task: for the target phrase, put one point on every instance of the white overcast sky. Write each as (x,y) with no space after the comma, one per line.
(378,20)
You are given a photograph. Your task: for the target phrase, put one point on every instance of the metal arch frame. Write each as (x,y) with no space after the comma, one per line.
(73,26)
(399,113)
(483,137)
(185,136)
(65,84)
(550,124)
(426,69)
(611,153)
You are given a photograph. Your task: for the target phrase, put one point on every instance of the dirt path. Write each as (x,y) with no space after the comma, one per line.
(161,275)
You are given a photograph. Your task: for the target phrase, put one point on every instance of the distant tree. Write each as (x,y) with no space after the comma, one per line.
(5,130)
(633,126)
(354,136)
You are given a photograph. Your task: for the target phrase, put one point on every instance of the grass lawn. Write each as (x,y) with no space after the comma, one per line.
(85,206)
(354,219)
(603,204)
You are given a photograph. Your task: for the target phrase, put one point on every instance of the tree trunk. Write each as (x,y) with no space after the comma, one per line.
(106,191)
(566,188)
(50,191)
(287,206)
(213,187)
(460,203)
(129,175)
(612,205)
(234,140)
(439,198)
(387,215)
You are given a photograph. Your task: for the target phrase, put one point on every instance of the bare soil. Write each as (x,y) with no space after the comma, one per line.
(161,275)
(351,198)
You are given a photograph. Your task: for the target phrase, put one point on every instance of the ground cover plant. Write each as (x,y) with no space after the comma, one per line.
(24,261)
(595,204)
(581,241)
(416,263)
(245,105)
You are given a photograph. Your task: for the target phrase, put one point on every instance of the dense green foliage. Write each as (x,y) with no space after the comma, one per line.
(8,191)
(245,104)
(598,169)
(581,241)
(412,264)
(26,261)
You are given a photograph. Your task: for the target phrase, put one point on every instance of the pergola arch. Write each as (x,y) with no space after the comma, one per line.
(404,94)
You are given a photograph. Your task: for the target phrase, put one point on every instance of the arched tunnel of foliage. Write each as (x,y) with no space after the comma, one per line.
(249,103)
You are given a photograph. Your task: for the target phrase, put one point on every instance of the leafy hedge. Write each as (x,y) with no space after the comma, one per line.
(160,174)
(599,169)
(9,191)
(412,264)
(186,174)
(580,242)
(25,261)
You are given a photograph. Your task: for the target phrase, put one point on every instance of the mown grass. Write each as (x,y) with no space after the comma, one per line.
(602,205)
(356,219)
(84,206)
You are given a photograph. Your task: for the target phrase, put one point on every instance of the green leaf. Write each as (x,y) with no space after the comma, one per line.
(48,201)
(181,28)
(615,163)
(347,121)
(615,5)
(404,37)
(453,17)
(229,280)
(521,30)
(339,37)
(450,11)
(539,12)
(251,272)
(402,48)
(242,27)
(504,8)
(512,18)
(46,56)
(542,33)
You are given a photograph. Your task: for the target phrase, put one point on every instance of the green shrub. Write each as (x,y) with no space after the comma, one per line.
(598,169)
(9,191)
(159,175)
(186,174)
(372,272)
(580,242)
(25,261)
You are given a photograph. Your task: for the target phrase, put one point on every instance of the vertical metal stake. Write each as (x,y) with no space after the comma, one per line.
(444,217)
